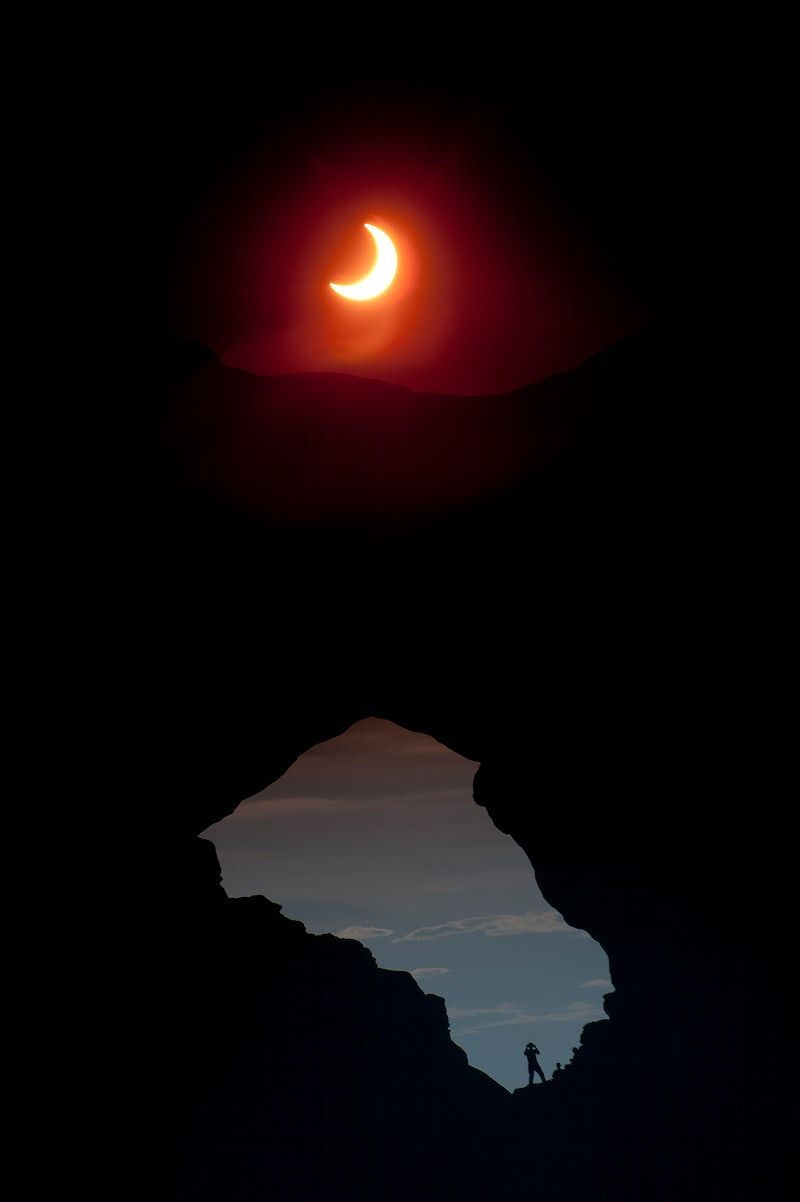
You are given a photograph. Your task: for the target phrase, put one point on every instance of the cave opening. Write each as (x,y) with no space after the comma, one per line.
(374,836)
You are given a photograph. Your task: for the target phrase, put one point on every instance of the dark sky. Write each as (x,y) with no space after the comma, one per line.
(375,836)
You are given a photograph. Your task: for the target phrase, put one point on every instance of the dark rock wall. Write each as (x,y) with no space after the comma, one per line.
(556,615)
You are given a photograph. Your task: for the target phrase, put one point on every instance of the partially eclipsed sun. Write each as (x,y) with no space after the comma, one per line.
(383,271)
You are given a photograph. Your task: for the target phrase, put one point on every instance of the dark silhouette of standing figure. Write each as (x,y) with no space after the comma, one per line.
(531,1052)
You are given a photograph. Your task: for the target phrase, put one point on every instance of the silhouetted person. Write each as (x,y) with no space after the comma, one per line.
(531,1052)
(558,1069)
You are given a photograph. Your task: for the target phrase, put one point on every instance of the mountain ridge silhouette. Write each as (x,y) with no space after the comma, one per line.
(333,448)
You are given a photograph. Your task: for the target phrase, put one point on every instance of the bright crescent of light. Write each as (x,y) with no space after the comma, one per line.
(378,279)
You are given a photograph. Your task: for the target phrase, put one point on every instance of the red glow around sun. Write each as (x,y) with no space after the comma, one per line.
(489,294)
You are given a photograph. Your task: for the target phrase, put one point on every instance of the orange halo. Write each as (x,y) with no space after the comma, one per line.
(380,276)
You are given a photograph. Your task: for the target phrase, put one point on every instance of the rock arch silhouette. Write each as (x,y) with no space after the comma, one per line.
(540,627)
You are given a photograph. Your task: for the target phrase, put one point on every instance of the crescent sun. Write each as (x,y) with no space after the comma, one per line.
(380,276)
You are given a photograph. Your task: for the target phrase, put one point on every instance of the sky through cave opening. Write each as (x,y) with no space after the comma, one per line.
(374,835)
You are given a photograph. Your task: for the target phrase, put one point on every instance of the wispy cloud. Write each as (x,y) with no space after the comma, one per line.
(362,933)
(545,923)
(509,1014)
(428,972)
(275,804)
(500,1008)
(597,983)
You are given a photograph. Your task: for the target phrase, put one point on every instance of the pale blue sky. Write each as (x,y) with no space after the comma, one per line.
(375,835)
